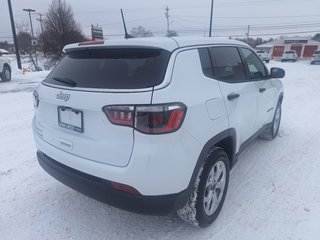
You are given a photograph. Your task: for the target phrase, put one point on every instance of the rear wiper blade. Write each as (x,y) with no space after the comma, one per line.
(66,81)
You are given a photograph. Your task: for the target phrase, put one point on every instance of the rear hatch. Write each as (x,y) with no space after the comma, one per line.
(70,113)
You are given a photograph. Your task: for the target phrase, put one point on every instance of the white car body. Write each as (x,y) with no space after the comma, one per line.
(4,65)
(154,165)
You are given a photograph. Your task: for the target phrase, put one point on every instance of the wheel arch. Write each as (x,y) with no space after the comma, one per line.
(225,140)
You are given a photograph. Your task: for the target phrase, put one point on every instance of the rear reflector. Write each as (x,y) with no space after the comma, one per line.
(148,119)
(125,188)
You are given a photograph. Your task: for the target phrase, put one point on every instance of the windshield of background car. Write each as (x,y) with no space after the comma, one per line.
(113,68)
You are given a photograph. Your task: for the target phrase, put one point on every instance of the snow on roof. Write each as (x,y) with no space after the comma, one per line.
(166,43)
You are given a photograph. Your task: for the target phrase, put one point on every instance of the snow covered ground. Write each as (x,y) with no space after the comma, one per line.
(274,190)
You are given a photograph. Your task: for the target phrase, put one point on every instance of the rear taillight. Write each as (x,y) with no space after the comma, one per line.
(120,115)
(149,119)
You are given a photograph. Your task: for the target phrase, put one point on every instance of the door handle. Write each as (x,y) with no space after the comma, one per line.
(262,90)
(233,96)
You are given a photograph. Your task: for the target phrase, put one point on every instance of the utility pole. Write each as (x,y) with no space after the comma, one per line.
(41,25)
(41,21)
(16,46)
(168,21)
(35,49)
(30,10)
(248,32)
(211,18)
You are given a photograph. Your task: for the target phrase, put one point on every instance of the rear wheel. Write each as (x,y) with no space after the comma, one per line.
(205,203)
(6,74)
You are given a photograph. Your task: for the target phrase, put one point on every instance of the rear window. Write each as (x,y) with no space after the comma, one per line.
(317,52)
(289,52)
(114,68)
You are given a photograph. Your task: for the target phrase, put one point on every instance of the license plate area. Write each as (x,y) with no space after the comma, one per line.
(71,119)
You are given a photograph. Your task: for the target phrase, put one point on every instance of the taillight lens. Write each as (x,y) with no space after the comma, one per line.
(120,115)
(148,119)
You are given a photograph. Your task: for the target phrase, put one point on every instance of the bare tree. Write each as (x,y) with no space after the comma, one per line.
(60,29)
(140,31)
(24,37)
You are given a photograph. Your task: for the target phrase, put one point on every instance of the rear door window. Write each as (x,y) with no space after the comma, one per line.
(227,64)
(113,68)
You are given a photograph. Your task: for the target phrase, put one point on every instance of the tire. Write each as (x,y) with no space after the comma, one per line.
(6,74)
(272,132)
(206,201)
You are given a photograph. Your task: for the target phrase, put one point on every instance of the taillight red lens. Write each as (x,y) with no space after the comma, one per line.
(149,119)
(120,115)
(159,119)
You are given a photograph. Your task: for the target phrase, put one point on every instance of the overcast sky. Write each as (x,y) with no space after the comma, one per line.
(231,17)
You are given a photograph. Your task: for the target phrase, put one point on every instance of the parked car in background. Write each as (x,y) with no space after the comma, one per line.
(264,56)
(289,56)
(154,125)
(5,66)
(315,57)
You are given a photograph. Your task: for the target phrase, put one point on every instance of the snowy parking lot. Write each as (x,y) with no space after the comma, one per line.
(273,192)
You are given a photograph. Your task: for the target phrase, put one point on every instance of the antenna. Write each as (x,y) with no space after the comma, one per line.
(126,35)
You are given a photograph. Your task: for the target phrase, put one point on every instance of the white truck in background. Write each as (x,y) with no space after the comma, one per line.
(264,56)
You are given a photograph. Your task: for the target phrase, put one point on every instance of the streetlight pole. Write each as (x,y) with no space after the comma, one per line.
(35,49)
(16,46)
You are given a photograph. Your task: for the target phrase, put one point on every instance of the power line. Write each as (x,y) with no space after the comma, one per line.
(249,17)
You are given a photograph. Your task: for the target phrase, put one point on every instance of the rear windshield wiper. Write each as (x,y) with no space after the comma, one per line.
(66,81)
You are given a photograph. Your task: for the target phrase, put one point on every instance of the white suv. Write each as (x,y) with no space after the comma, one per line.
(5,67)
(154,125)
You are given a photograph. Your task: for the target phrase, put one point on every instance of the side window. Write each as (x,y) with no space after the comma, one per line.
(256,68)
(227,64)
(205,62)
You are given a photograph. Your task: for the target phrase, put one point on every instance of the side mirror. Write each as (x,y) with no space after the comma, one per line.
(277,73)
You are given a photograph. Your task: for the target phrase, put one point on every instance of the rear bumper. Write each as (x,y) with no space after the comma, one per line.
(102,190)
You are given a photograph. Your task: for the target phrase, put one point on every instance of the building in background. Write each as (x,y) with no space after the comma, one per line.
(304,47)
